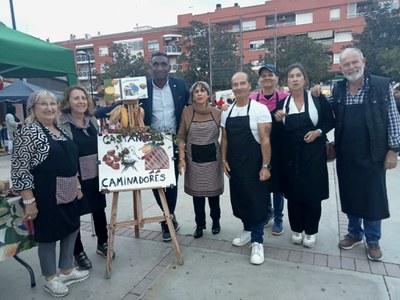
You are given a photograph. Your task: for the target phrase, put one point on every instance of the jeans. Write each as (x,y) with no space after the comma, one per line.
(371,230)
(257,231)
(278,206)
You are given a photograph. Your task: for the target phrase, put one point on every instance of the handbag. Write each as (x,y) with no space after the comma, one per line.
(330,151)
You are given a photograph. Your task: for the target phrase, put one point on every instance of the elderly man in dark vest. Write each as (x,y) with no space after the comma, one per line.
(367,138)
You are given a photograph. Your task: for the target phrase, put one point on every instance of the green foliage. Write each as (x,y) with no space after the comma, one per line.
(224,60)
(304,50)
(380,40)
(124,64)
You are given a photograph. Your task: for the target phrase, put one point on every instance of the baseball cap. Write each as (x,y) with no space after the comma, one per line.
(268,67)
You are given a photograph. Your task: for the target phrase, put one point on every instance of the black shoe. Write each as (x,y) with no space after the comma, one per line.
(216,228)
(198,233)
(103,249)
(176,224)
(166,236)
(82,261)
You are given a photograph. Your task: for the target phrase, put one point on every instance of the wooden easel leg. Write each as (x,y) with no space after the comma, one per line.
(111,234)
(171,228)
(137,211)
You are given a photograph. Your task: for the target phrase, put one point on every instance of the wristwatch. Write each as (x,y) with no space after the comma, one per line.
(267,166)
(395,148)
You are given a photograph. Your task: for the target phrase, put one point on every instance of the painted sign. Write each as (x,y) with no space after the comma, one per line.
(135,161)
(128,88)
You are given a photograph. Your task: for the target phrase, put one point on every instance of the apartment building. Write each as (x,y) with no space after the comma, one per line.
(332,23)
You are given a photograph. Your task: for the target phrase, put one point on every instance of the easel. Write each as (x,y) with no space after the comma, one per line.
(135,119)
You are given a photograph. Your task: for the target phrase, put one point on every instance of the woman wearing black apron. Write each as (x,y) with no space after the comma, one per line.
(305,122)
(246,154)
(44,172)
(76,108)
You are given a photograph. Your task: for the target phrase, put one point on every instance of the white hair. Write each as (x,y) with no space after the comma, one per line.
(350,49)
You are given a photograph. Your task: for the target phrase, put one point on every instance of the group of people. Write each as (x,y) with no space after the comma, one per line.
(271,143)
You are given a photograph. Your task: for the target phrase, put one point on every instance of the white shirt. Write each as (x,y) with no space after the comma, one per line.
(312,110)
(258,113)
(163,113)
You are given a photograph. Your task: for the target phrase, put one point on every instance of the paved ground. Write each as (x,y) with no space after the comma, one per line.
(146,268)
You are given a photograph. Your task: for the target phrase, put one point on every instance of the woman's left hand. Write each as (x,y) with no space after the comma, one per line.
(311,136)
(80,194)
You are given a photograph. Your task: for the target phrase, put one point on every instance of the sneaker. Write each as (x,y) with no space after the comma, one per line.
(176,224)
(242,239)
(349,242)
(309,240)
(103,250)
(257,254)
(374,252)
(296,238)
(82,261)
(73,277)
(268,221)
(277,229)
(166,236)
(56,288)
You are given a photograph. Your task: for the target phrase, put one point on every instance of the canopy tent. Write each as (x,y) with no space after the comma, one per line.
(20,90)
(24,56)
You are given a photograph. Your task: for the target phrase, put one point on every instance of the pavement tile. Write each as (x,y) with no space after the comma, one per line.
(226,246)
(377,268)
(334,261)
(141,287)
(362,265)
(283,254)
(307,258)
(131,297)
(236,249)
(321,260)
(271,253)
(157,271)
(295,256)
(216,244)
(185,240)
(348,263)
(392,270)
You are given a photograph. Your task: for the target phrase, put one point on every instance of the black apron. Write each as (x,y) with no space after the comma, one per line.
(362,182)
(92,200)
(249,195)
(55,192)
(305,168)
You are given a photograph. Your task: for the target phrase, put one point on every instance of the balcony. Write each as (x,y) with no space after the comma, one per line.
(173,50)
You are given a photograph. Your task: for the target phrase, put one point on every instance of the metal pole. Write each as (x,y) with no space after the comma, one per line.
(12,15)
(90,78)
(275,34)
(210,56)
(241,43)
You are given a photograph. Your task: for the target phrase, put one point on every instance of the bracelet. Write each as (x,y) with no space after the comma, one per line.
(181,158)
(223,161)
(79,187)
(29,201)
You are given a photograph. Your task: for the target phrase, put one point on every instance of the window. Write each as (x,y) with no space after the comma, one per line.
(249,25)
(103,51)
(345,36)
(356,9)
(306,18)
(235,28)
(256,45)
(103,68)
(153,45)
(334,14)
(134,45)
(336,58)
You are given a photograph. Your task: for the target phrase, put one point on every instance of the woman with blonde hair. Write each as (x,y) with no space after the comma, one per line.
(44,168)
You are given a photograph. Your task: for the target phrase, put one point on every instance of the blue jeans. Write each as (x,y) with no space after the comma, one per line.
(277,210)
(371,230)
(257,232)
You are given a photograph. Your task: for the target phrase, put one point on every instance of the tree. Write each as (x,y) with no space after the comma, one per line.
(223,48)
(304,50)
(380,40)
(124,64)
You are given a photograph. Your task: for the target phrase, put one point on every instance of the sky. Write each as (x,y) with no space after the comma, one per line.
(57,19)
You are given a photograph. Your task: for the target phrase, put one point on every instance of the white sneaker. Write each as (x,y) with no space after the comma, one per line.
(75,276)
(242,239)
(56,288)
(309,240)
(257,254)
(296,238)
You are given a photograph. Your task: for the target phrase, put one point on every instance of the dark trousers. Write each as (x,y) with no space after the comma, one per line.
(171,193)
(304,216)
(199,204)
(100,227)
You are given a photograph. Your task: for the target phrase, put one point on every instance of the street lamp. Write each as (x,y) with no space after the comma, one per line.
(83,52)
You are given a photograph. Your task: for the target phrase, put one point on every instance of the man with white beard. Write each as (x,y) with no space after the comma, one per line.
(367,138)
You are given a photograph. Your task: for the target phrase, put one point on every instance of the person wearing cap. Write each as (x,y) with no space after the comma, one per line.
(200,156)
(44,168)
(269,96)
